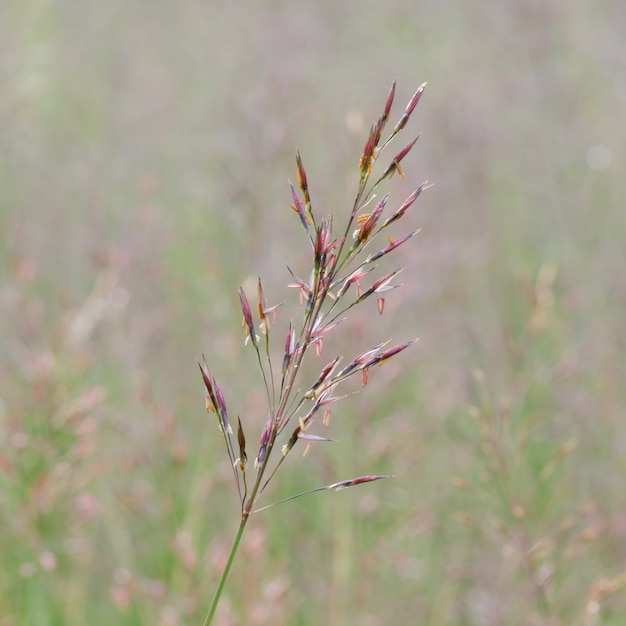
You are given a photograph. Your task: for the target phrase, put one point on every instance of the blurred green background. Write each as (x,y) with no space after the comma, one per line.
(146,148)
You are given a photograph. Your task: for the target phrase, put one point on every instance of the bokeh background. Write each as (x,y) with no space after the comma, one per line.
(146,148)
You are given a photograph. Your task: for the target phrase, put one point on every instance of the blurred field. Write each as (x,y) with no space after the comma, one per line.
(146,148)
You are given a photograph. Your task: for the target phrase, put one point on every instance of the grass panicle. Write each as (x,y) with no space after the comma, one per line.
(342,277)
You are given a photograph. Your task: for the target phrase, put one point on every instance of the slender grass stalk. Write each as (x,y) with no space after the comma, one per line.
(338,283)
(225,572)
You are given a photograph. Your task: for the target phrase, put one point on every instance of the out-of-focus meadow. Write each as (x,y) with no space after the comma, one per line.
(146,148)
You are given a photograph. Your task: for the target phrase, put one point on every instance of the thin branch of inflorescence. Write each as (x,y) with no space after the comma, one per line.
(338,270)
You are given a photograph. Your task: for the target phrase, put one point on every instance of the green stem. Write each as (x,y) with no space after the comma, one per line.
(229,563)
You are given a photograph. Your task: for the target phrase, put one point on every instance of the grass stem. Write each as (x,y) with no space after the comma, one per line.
(231,557)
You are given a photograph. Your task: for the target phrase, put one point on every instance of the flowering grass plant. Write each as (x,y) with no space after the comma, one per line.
(343,275)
